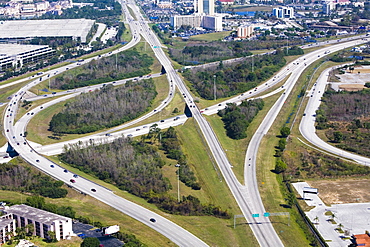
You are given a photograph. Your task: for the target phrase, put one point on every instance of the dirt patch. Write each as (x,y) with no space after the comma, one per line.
(343,191)
(351,87)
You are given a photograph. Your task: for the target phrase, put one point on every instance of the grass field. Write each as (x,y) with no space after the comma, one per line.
(210,36)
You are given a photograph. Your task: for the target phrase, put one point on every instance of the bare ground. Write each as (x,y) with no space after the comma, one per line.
(343,191)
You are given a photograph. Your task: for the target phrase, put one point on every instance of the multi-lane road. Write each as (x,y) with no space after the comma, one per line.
(247,196)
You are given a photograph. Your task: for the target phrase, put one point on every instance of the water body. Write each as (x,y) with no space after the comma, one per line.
(244,13)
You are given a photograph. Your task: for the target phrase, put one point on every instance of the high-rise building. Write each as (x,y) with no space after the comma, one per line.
(283,12)
(204,7)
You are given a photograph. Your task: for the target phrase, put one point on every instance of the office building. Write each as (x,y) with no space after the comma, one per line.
(43,221)
(283,12)
(204,7)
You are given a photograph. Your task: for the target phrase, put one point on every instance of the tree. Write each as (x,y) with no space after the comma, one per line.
(280,166)
(51,237)
(90,242)
(282,144)
(285,132)
(316,219)
(338,136)
(30,228)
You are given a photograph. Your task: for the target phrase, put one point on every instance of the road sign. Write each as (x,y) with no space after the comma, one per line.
(266,214)
(255,215)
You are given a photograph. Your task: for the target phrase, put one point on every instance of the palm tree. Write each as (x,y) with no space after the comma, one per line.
(340,225)
(30,229)
(316,219)
(333,216)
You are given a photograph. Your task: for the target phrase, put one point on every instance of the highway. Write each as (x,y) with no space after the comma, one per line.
(15,137)
(247,196)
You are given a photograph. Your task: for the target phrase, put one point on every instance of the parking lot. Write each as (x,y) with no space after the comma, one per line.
(90,231)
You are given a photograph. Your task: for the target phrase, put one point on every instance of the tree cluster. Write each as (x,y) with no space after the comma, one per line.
(135,167)
(189,205)
(105,108)
(19,177)
(99,11)
(202,52)
(295,50)
(130,240)
(234,78)
(132,166)
(126,64)
(237,118)
(39,202)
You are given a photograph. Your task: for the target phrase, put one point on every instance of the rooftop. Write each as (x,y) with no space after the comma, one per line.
(4,222)
(45,28)
(35,214)
(14,49)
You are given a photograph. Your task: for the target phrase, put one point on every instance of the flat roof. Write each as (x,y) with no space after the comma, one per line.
(15,49)
(4,222)
(35,214)
(45,28)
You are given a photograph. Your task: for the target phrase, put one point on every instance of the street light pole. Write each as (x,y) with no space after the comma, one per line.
(178,187)
(214,86)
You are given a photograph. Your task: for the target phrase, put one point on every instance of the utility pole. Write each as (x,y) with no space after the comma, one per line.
(214,86)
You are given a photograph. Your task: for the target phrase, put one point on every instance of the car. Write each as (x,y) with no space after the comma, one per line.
(17,143)
(25,143)
(176,118)
(107,134)
(7,130)
(152,220)
(41,107)
(137,129)
(28,113)
(75,176)
(65,170)
(37,160)
(129,135)
(145,127)
(53,92)
(161,121)
(13,137)
(72,181)
(45,95)
(32,113)
(6,156)
(304,114)
(7,115)
(93,190)
(52,166)
(219,104)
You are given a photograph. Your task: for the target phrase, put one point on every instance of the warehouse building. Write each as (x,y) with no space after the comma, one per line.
(19,30)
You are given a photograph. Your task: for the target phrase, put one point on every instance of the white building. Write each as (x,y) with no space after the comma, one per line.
(14,55)
(204,7)
(245,31)
(283,12)
(43,221)
(7,225)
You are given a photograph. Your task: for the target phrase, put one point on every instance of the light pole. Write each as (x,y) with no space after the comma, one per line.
(214,86)
(178,182)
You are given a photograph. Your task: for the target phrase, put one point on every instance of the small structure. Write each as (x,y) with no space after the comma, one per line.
(362,240)
(310,190)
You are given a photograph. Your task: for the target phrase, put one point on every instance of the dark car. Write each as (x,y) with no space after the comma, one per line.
(37,161)
(152,220)
(7,130)
(65,171)
(52,166)
(162,121)
(93,190)
(72,181)
(75,176)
